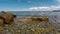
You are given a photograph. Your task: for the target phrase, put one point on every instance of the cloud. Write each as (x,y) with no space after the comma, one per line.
(58,0)
(40,8)
(44,8)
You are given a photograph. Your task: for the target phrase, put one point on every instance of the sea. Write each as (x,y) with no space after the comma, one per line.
(51,14)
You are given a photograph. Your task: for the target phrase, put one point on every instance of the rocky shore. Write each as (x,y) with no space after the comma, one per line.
(27,25)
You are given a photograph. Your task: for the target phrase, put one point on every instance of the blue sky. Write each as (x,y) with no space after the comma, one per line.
(29,5)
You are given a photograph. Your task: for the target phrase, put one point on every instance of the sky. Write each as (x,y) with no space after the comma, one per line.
(29,5)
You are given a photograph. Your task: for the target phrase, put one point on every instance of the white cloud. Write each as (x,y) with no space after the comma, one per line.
(58,0)
(45,8)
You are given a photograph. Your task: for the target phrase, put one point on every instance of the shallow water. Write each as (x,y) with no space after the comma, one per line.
(34,27)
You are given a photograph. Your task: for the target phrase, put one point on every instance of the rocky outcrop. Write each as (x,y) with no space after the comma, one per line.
(44,18)
(28,19)
(8,17)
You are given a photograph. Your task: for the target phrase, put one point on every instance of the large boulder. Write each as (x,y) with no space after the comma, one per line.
(8,17)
